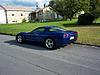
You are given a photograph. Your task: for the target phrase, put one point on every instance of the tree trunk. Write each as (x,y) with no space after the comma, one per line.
(65,17)
(70,18)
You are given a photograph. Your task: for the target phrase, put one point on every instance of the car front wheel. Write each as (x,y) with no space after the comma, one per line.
(19,39)
(49,43)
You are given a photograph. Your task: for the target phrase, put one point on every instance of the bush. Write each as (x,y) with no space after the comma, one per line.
(59,19)
(31,21)
(24,20)
(36,20)
(86,19)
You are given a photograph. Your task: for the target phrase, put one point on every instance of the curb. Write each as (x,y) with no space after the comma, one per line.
(87,44)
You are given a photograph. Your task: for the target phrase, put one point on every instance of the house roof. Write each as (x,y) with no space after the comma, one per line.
(0,8)
(41,9)
(18,8)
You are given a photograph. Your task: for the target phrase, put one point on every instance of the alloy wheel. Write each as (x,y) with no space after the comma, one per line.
(19,39)
(49,43)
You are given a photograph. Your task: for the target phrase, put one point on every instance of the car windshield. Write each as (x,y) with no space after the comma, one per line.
(57,29)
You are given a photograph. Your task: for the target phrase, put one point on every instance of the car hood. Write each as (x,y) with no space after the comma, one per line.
(23,33)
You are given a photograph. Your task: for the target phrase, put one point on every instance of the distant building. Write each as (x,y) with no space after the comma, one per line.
(44,14)
(14,14)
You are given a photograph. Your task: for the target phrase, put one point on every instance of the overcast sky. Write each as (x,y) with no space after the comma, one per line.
(30,3)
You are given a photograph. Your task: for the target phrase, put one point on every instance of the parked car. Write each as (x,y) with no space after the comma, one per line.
(50,36)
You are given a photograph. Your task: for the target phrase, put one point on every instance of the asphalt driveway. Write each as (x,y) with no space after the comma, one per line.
(30,59)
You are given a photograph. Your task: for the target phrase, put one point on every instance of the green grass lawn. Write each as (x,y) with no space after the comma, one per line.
(87,34)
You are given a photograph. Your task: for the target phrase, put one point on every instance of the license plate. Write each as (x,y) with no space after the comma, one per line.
(71,38)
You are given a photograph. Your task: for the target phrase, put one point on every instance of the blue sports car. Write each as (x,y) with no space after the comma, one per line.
(50,36)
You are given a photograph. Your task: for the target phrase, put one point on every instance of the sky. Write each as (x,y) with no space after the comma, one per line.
(29,3)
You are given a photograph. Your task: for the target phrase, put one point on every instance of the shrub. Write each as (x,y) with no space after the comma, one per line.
(24,20)
(58,19)
(31,21)
(36,20)
(86,19)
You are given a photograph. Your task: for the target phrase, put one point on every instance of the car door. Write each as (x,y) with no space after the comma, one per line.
(28,36)
(37,34)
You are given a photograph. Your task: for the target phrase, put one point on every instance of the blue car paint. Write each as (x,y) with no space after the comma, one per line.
(57,36)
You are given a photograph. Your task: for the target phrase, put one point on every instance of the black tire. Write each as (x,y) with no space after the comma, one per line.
(19,38)
(50,43)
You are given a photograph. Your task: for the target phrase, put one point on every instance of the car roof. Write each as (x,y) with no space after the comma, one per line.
(49,26)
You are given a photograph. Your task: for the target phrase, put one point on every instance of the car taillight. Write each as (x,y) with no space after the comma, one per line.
(65,35)
(76,32)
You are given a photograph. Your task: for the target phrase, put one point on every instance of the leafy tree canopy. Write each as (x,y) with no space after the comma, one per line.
(68,8)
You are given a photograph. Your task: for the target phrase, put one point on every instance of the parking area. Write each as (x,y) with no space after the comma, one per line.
(30,59)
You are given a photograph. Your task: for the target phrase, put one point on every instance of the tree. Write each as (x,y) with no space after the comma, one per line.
(67,8)
(97,10)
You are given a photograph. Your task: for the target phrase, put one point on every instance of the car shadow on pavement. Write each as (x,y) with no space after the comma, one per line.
(29,45)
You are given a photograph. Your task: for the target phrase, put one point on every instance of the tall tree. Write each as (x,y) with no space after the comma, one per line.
(97,9)
(68,8)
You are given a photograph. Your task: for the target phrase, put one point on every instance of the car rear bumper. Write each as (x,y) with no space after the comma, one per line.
(65,41)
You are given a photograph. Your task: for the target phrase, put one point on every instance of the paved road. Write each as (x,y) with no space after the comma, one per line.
(29,59)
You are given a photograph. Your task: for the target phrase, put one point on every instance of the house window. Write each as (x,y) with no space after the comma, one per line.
(14,21)
(12,14)
(21,14)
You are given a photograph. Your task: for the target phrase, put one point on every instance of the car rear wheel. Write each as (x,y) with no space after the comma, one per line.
(49,43)
(19,39)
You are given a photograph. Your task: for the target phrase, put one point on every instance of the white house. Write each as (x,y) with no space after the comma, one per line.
(14,14)
(2,16)
(45,14)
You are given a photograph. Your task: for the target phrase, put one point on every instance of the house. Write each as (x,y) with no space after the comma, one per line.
(45,14)
(14,14)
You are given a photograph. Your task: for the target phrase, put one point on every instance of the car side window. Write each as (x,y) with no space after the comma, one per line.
(39,30)
(53,30)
